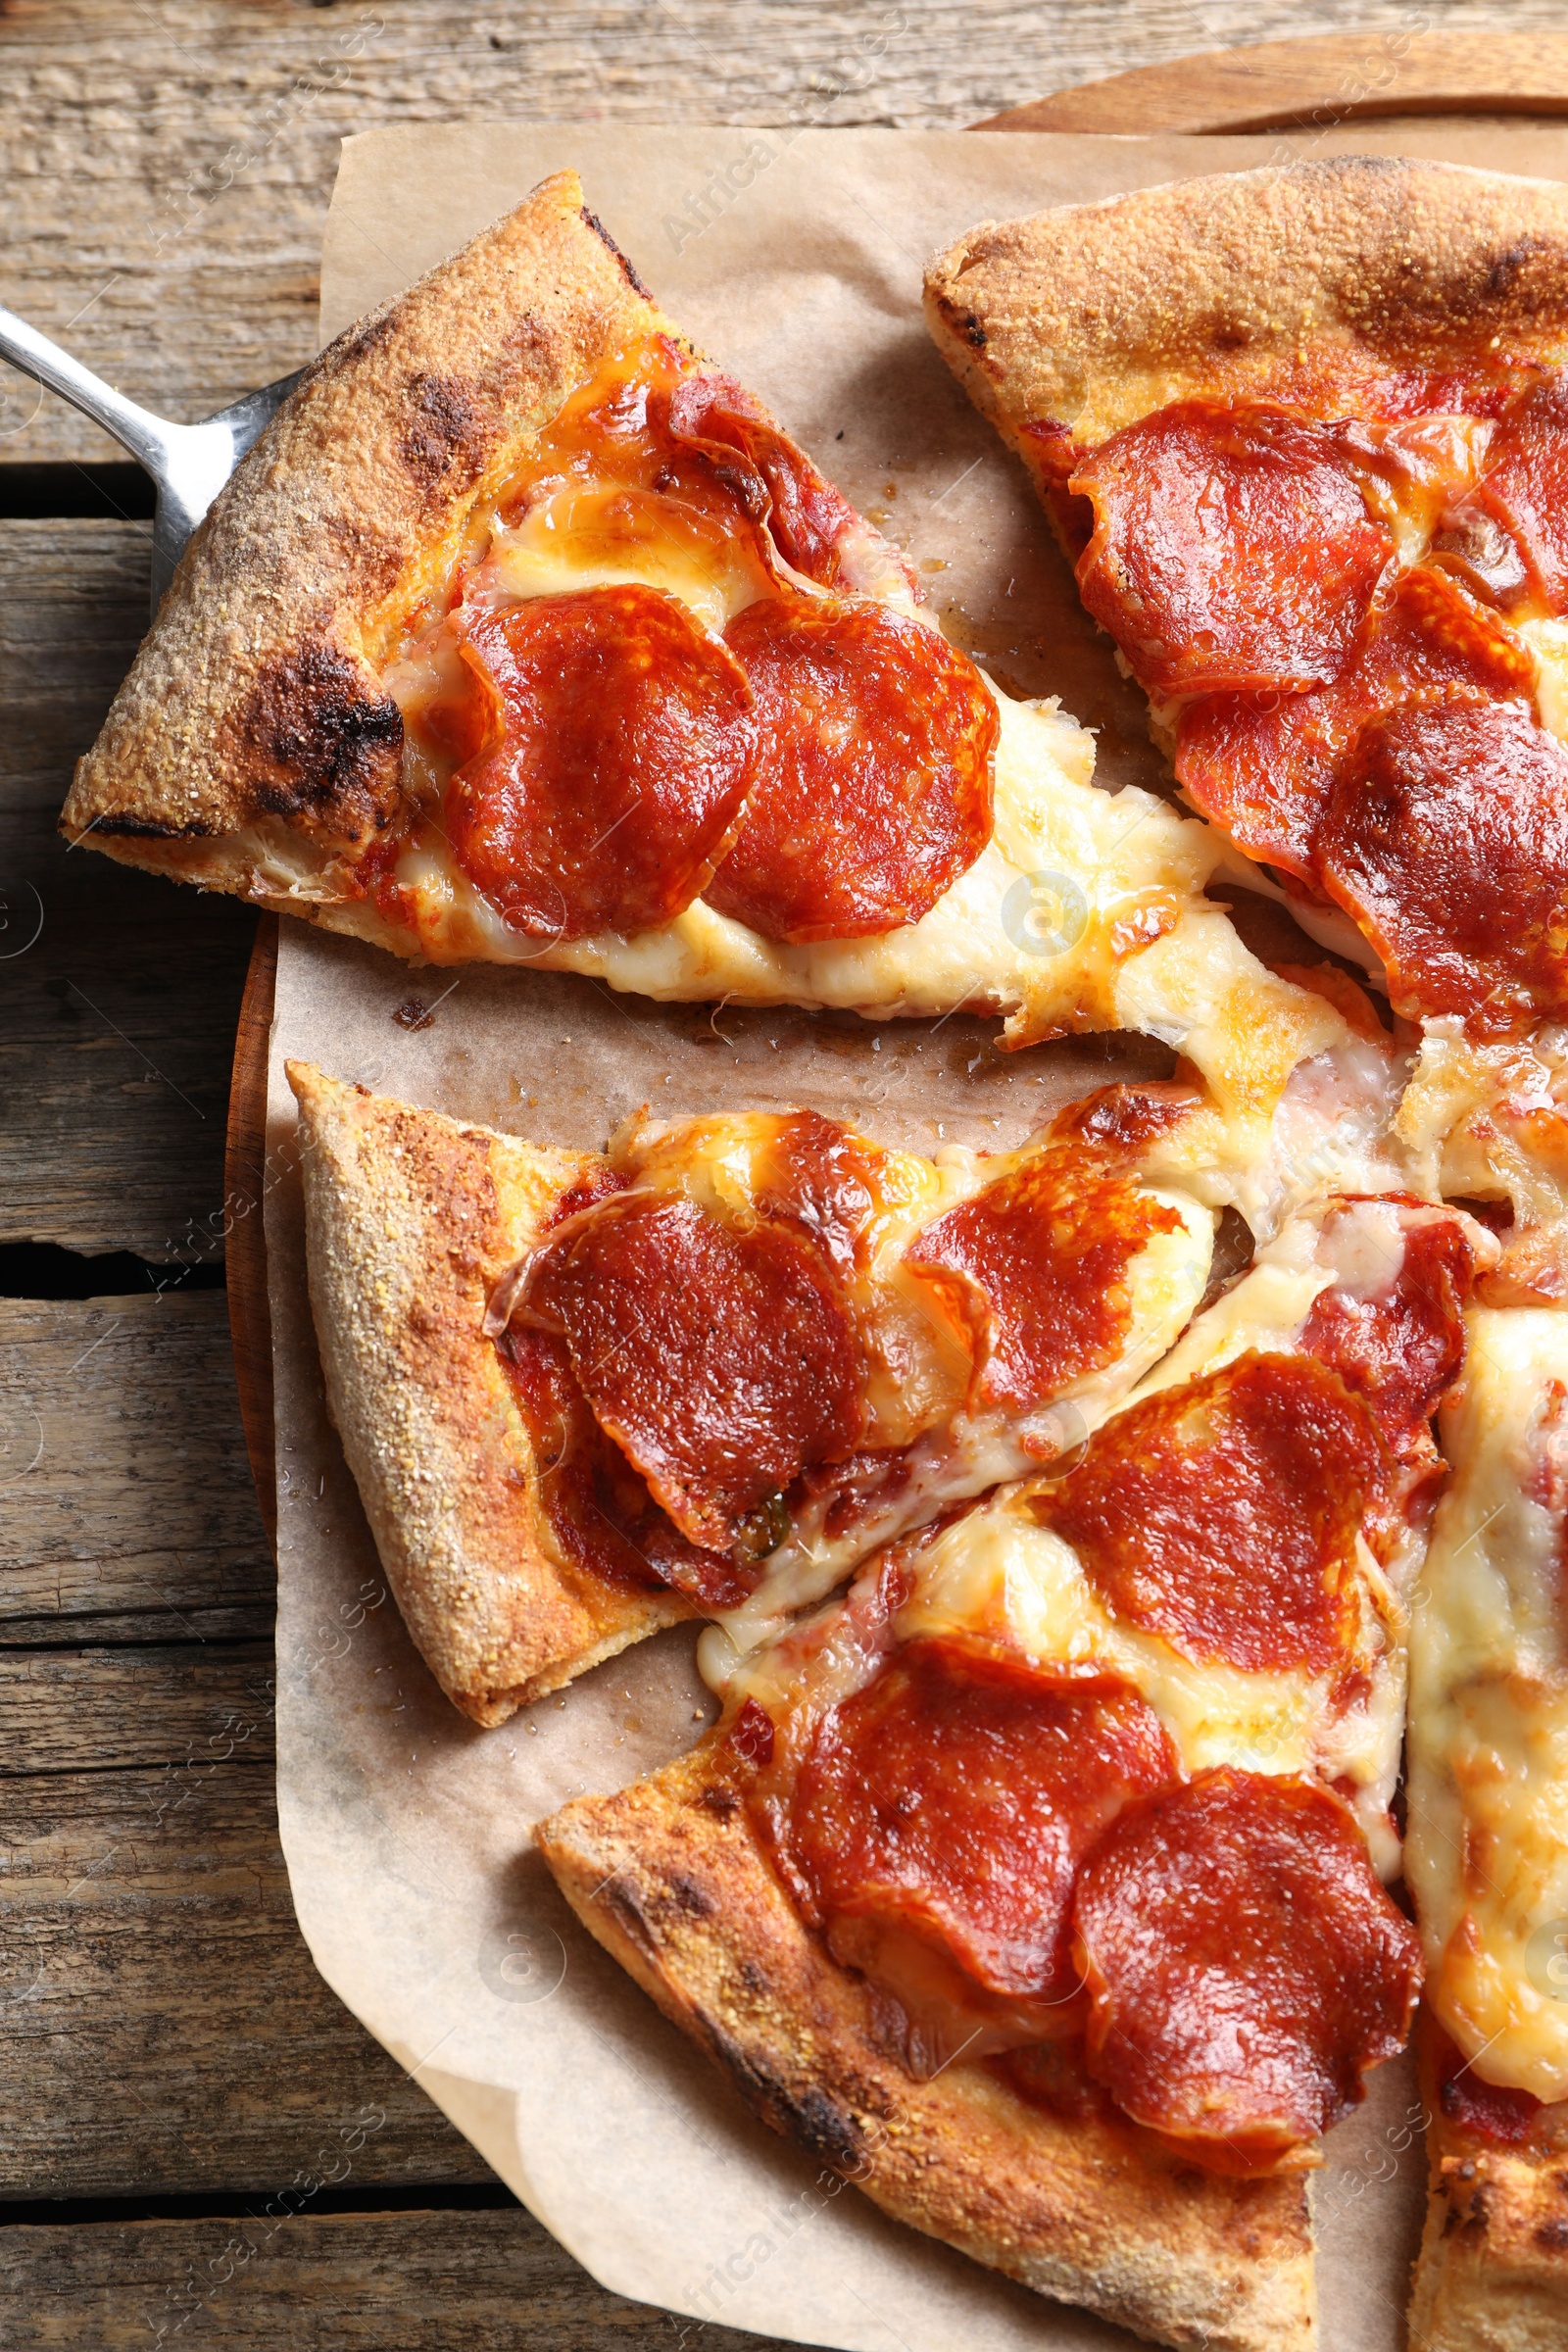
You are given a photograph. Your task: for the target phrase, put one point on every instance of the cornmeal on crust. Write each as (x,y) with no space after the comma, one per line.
(1492,2274)
(411,1220)
(670,1879)
(1093,314)
(258,693)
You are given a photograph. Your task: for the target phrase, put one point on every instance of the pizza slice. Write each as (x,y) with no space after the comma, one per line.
(1034,1883)
(1487,1848)
(527,634)
(1304,434)
(584,1395)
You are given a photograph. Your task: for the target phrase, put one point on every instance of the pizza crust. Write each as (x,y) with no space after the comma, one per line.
(411,1220)
(1092,315)
(258,694)
(1493,2273)
(670,1879)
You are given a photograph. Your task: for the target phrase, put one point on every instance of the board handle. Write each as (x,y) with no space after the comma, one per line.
(1307,84)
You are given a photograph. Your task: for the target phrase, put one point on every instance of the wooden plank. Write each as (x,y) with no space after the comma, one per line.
(122,991)
(167,172)
(127,1510)
(135,1711)
(148,1936)
(72,612)
(161,2025)
(1279,85)
(420,2282)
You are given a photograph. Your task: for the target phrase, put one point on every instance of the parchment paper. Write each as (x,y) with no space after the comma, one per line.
(794,259)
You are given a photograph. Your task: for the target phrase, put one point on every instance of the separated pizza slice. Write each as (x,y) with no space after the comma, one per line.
(527,634)
(1034,1883)
(1304,433)
(584,1395)
(1487,1847)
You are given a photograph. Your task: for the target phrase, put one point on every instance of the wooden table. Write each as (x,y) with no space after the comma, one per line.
(198,2143)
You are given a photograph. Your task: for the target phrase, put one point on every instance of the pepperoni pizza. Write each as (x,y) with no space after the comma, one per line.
(527,635)
(1036,1881)
(1057,1597)
(1057,1593)
(1304,433)
(586,1395)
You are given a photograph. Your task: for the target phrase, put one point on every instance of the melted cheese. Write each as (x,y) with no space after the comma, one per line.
(607,538)
(1360,1251)
(969,1452)
(998,1569)
(1548,640)
(1085,910)
(1487,1848)
(1490,1123)
(1330,1133)
(997,1572)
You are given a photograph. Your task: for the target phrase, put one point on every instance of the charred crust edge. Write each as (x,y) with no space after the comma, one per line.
(961,321)
(809,2118)
(147,828)
(314,740)
(593,222)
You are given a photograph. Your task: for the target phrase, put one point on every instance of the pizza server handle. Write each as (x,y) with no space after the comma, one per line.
(189,462)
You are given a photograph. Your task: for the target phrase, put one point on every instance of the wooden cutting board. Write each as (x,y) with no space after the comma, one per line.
(1276,85)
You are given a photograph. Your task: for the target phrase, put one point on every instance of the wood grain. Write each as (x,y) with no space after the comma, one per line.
(120,991)
(1280,85)
(129,1511)
(167,172)
(161,2025)
(419,2282)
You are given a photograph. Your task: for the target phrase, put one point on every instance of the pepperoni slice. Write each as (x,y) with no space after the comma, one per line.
(775,481)
(938,1822)
(620,757)
(1263,766)
(600,1512)
(1231,551)
(1525,488)
(1397,1340)
(1041,1260)
(721,1361)
(823,1179)
(1447,841)
(1222,1515)
(873,790)
(1245,1967)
